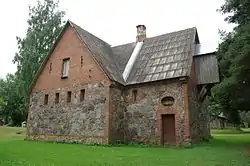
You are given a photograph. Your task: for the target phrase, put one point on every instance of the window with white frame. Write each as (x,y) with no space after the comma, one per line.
(65,68)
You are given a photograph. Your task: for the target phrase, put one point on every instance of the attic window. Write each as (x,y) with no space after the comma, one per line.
(65,68)
(50,67)
(81,60)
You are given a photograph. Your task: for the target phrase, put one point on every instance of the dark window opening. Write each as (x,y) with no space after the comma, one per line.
(134,95)
(50,67)
(57,98)
(46,99)
(69,96)
(81,60)
(82,94)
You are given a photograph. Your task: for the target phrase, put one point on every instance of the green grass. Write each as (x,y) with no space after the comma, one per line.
(223,150)
(231,131)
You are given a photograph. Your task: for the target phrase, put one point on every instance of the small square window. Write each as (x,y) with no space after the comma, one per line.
(46,99)
(57,98)
(69,97)
(82,94)
(65,68)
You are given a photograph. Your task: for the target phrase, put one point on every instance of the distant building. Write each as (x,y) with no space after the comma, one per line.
(220,122)
(1,122)
(150,90)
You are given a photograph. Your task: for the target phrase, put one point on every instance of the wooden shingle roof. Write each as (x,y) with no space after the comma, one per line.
(161,57)
(164,57)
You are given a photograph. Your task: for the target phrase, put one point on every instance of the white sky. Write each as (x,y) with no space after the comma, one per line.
(115,21)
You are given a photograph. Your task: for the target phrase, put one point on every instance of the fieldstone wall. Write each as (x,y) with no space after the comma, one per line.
(199,119)
(194,113)
(204,120)
(117,113)
(143,116)
(69,121)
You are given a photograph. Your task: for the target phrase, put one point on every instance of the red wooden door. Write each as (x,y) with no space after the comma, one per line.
(168,129)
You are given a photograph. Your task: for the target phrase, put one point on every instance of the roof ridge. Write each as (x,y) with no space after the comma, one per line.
(122,44)
(102,53)
(177,31)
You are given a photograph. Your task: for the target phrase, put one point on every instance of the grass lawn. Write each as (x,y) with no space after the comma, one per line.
(223,150)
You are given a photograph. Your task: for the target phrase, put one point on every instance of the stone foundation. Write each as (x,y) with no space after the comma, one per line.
(69,139)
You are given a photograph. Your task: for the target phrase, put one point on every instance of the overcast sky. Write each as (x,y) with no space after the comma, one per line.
(115,21)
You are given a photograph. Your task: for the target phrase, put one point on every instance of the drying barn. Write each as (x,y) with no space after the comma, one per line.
(149,91)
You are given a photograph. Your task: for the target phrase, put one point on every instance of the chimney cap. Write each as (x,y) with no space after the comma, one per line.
(144,27)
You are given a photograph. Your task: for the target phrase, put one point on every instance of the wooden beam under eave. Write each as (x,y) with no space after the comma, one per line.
(203,93)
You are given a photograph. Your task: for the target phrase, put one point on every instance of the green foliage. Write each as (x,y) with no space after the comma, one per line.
(44,24)
(239,10)
(245,118)
(2,102)
(234,56)
(12,107)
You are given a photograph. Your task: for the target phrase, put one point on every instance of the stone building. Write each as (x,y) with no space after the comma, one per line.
(149,91)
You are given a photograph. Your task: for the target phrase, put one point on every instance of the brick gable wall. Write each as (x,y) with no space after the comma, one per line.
(81,121)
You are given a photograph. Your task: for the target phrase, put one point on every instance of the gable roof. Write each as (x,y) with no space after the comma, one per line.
(100,50)
(164,57)
(102,53)
(122,54)
(161,57)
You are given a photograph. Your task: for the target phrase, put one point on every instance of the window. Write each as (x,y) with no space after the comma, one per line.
(50,67)
(167,101)
(65,68)
(81,60)
(57,98)
(134,95)
(46,99)
(69,96)
(82,94)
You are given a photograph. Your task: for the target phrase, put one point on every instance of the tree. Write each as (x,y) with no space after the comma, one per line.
(11,110)
(245,118)
(234,56)
(2,101)
(239,10)
(44,24)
